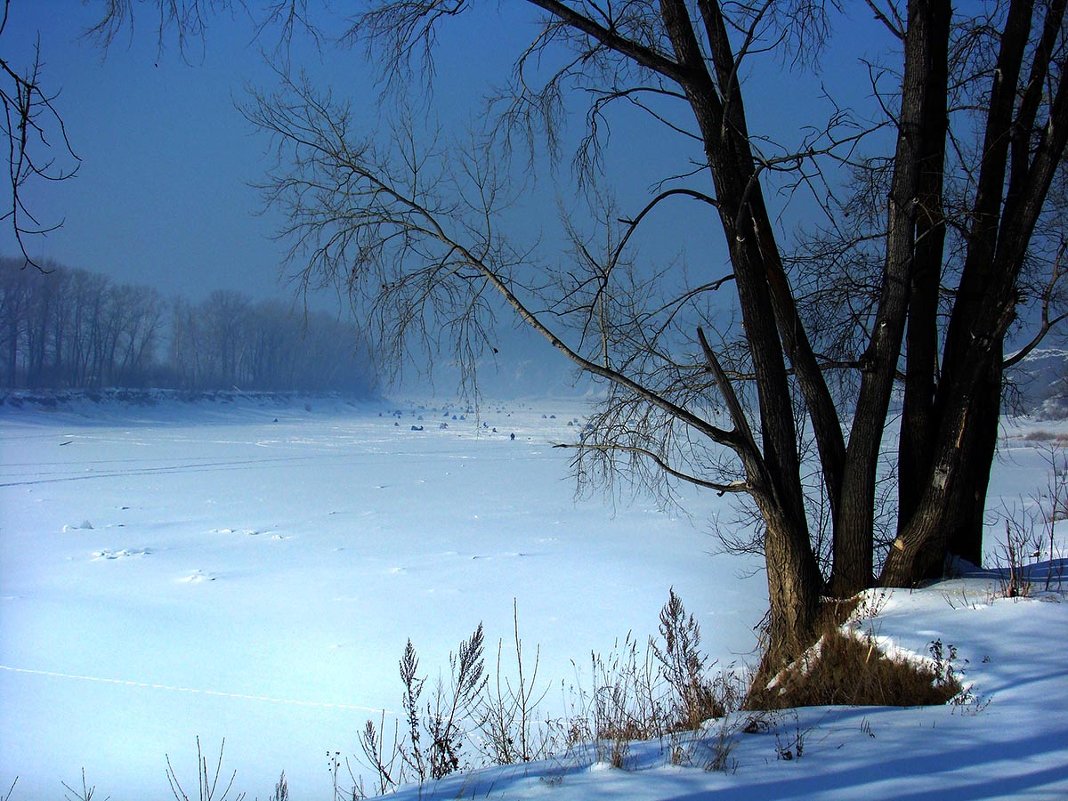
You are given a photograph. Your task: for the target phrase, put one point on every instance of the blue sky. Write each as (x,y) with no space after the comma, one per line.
(163,197)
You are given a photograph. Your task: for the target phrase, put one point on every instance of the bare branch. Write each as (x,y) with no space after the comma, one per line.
(1049,321)
(890,19)
(609,37)
(721,489)
(30,121)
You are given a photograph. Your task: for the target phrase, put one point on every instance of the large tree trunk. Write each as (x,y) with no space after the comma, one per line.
(794,581)
(1002,228)
(919,547)
(921,125)
(964,535)
(955,491)
(1002,224)
(918,422)
(793,592)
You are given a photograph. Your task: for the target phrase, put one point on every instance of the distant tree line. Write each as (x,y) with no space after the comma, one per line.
(69,328)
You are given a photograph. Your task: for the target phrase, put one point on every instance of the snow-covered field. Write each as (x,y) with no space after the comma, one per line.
(252,570)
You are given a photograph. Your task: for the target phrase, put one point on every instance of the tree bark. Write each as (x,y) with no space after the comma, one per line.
(918,421)
(964,531)
(794,581)
(985,305)
(921,118)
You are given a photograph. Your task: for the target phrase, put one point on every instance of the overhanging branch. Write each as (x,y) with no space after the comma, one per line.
(722,489)
(641,54)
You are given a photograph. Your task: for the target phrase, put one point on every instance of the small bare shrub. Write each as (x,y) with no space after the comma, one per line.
(865,726)
(789,747)
(1017,552)
(355,791)
(1030,532)
(506,711)
(623,705)
(666,692)
(453,705)
(281,789)
(433,741)
(385,763)
(87,793)
(721,745)
(626,702)
(684,667)
(950,674)
(207,782)
(1056,508)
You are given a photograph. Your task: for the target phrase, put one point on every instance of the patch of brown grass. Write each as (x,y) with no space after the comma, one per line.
(846,669)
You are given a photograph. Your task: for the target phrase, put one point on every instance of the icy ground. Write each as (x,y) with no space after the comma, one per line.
(252,570)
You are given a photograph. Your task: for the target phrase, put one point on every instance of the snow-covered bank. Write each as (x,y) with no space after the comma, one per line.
(1009,742)
(229,569)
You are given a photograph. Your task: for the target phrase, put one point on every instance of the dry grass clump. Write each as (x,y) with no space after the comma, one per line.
(665,690)
(846,669)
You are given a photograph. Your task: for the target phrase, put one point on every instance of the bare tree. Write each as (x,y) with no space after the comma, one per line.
(415,230)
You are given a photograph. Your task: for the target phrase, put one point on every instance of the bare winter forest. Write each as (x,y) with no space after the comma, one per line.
(64,328)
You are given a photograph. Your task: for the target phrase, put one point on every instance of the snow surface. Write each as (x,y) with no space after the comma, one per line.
(252,570)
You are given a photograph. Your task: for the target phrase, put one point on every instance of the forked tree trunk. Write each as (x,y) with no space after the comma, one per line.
(948,515)
(918,422)
(793,593)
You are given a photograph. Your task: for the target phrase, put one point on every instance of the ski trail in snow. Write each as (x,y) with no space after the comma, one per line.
(195,691)
(169,469)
